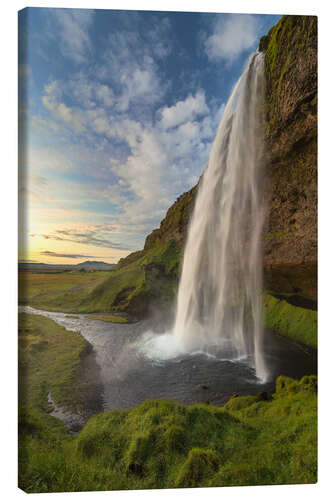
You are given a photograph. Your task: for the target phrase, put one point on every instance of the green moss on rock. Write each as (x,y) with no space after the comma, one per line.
(237,403)
(289,385)
(295,322)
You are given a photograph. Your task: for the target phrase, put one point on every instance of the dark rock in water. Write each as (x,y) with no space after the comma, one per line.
(263,396)
(75,427)
(234,395)
(205,387)
(88,348)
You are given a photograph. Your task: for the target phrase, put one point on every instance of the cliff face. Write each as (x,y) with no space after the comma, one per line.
(150,276)
(173,227)
(290,240)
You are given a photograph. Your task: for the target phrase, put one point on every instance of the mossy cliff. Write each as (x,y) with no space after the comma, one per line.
(290,240)
(290,237)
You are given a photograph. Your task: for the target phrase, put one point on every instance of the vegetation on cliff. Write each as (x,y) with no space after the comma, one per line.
(295,322)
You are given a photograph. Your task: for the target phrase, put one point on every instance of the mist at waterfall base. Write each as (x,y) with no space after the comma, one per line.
(219,298)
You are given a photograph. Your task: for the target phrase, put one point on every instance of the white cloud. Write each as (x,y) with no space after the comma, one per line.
(59,110)
(183,111)
(72,28)
(105,95)
(89,93)
(164,162)
(146,157)
(130,67)
(165,156)
(44,160)
(232,36)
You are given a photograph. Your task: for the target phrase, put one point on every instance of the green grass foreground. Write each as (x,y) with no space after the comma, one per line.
(161,444)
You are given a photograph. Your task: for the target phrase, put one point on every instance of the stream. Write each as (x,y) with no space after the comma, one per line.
(118,373)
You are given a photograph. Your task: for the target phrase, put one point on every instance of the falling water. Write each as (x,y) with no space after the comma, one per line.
(219,297)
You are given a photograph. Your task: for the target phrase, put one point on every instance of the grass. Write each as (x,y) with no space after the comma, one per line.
(57,291)
(286,319)
(32,284)
(163,444)
(108,319)
(49,361)
(149,281)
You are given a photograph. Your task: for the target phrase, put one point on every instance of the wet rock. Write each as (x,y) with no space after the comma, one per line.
(263,396)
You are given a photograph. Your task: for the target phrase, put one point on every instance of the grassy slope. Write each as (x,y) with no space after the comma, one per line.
(32,284)
(49,361)
(162,444)
(151,279)
(57,291)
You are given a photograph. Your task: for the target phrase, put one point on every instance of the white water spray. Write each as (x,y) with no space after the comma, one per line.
(219,297)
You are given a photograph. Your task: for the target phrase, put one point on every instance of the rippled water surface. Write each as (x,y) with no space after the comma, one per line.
(120,371)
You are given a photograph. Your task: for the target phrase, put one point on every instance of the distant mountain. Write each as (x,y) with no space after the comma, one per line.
(94,264)
(87,265)
(41,265)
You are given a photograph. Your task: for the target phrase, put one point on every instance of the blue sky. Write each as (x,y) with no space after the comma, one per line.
(119,110)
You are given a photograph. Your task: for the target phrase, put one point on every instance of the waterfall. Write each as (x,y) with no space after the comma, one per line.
(219,296)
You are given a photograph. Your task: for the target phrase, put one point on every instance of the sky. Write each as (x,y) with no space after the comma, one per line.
(117,114)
